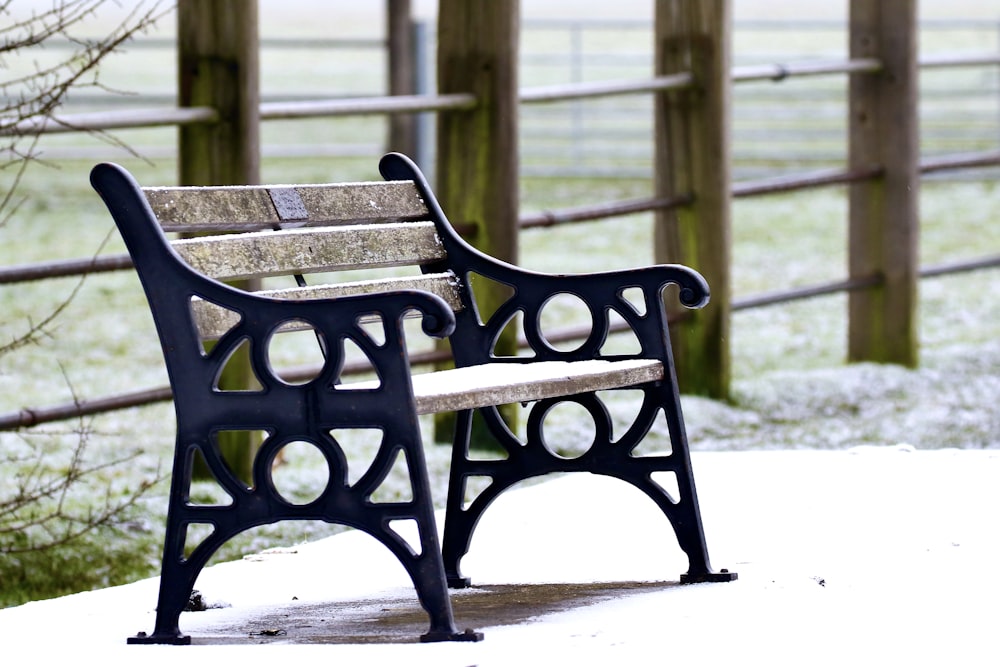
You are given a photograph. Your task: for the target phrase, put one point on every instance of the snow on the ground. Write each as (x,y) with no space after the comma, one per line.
(863,557)
(949,401)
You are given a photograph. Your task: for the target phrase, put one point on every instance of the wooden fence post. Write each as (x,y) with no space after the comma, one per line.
(402,75)
(884,219)
(477,149)
(217,51)
(693,158)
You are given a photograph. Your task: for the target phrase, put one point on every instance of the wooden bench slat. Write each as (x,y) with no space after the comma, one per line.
(297,251)
(213,320)
(254,208)
(391,200)
(444,285)
(503,383)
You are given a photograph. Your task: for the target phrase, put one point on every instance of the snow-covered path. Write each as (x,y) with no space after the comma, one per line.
(860,557)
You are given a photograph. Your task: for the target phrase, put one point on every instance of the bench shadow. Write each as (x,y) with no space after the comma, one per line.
(402,620)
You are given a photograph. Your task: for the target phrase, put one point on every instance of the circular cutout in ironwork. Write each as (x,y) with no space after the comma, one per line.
(300,472)
(568,430)
(296,352)
(561,313)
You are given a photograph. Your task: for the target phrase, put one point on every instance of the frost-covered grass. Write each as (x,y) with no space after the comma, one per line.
(791,388)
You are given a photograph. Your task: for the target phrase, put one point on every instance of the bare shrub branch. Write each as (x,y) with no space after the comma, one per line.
(29,101)
(53,492)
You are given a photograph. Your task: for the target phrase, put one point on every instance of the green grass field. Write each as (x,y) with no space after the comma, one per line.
(791,386)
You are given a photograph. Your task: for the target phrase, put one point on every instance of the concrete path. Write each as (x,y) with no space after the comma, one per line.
(857,557)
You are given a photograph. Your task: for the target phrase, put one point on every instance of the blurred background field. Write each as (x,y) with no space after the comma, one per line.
(791,386)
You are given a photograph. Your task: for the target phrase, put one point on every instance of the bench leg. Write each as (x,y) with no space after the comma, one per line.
(684,512)
(460,522)
(427,573)
(349,505)
(685,517)
(176,583)
(177,573)
(427,569)
(607,456)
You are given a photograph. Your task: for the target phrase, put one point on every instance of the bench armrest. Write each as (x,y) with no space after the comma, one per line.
(603,293)
(636,297)
(652,280)
(334,319)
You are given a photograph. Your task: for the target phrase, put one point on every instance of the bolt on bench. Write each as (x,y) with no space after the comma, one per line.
(266,231)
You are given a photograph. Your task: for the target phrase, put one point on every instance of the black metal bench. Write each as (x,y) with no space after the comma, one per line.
(266,231)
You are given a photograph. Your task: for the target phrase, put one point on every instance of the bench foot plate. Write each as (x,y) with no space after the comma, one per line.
(143,638)
(466,636)
(706,577)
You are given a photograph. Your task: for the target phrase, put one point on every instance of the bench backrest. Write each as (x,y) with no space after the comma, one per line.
(250,232)
(331,231)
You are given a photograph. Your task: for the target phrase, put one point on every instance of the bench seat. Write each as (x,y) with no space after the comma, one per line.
(503,383)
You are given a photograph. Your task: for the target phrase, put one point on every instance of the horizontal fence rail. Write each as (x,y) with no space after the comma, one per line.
(279,110)
(364,105)
(111,120)
(960,161)
(780,72)
(578,91)
(63,269)
(791,183)
(948,61)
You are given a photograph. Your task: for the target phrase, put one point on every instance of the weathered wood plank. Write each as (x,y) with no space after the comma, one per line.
(213,320)
(393,200)
(693,160)
(884,216)
(194,209)
(219,67)
(503,384)
(402,73)
(299,251)
(444,285)
(255,208)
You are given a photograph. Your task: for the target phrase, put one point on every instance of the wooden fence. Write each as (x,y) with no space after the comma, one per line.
(477,114)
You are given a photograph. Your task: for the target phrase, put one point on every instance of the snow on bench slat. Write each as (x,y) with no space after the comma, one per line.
(502,383)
